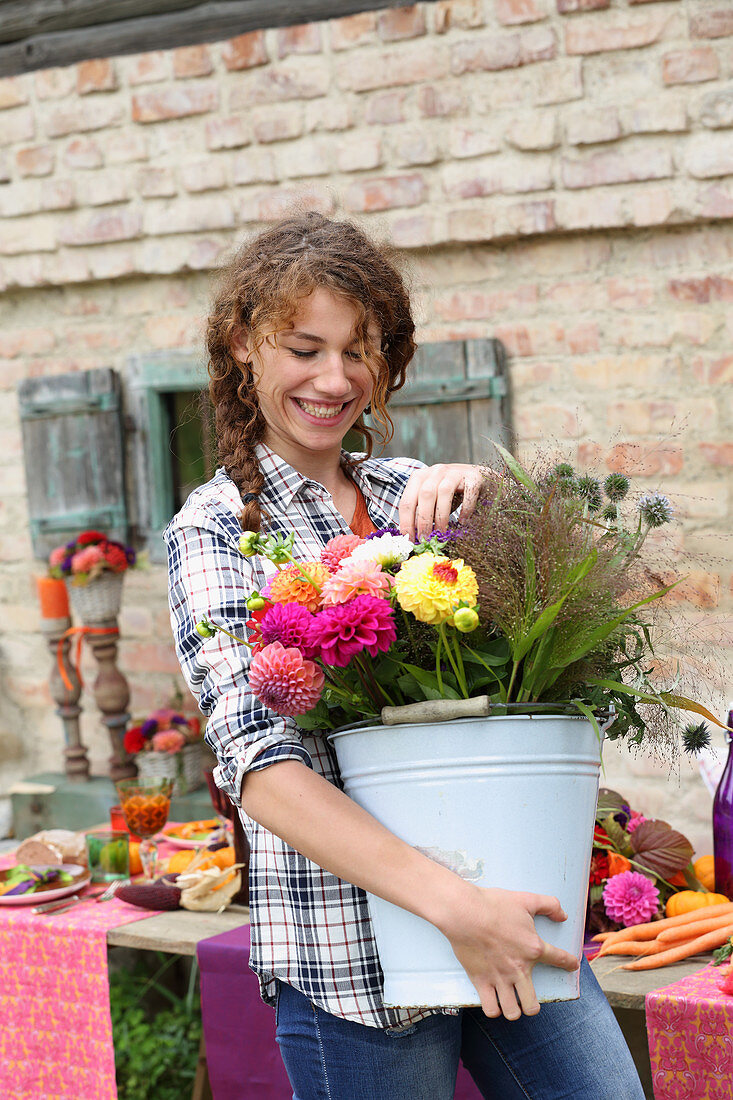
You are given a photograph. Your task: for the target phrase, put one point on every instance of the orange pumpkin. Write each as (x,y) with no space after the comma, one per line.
(704,869)
(687,900)
(179,861)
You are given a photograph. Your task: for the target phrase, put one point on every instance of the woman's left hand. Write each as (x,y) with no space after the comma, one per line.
(430,497)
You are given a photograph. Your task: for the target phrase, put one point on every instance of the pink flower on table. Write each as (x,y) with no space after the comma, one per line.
(284,681)
(634,820)
(355,578)
(167,741)
(292,624)
(58,556)
(83,561)
(630,898)
(338,548)
(365,623)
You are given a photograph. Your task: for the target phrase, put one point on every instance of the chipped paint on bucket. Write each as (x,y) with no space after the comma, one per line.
(503,801)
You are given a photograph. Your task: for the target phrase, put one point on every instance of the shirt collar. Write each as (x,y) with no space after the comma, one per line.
(284,483)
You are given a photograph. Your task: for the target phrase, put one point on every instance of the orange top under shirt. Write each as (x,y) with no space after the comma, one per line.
(361,524)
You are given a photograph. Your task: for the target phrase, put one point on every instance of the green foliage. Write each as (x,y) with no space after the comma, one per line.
(156,1032)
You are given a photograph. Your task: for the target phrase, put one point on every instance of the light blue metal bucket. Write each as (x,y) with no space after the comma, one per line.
(503,801)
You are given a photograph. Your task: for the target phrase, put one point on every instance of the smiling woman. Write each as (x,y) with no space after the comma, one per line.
(312,324)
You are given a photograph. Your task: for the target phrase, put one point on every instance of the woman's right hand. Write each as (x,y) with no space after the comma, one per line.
(495,940)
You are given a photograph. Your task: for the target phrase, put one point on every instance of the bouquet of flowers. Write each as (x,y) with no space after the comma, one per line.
(636,865)
(537,602)
(88,556)
(165,730)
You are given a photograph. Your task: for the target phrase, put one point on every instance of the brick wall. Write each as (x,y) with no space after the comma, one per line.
(560,175)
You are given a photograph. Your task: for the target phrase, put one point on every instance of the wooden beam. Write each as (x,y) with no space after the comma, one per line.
(204,22)
(26,18)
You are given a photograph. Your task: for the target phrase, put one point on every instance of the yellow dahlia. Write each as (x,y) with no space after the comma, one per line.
(430,587)
(290,586)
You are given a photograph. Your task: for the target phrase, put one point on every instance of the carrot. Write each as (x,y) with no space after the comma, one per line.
(697,946)
(651,929)
(601,936)
(635,947)
(683,932)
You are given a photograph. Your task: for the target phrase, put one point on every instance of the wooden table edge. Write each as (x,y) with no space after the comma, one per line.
(628,988)
(176,932)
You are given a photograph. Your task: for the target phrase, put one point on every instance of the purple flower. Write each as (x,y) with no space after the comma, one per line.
(630,898)
(344,630)
(384,531)
(149,727)
(292,625)
(130,555)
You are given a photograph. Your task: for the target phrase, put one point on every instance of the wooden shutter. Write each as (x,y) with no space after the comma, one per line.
(74,456)
(454,404)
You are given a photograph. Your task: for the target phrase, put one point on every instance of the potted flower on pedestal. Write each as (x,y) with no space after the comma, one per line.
(469,680)
(93,568)
(167,746)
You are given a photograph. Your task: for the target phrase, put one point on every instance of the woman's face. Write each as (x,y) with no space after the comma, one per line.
(314,384)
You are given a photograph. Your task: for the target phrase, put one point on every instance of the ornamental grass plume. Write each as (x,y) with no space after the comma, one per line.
(346,630)
(284,681)
(630,898)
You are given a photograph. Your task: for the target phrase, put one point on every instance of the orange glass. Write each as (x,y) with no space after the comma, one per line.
(145,804)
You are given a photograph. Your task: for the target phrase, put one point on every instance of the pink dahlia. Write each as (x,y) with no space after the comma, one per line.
(292,624)
(83,561)
(168,741)
(58,556)
(630,898)
(337,548)
(634,821)
(365,623)
(284,681)
(355,578)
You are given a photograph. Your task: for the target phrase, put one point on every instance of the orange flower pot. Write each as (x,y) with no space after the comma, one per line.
(53,597)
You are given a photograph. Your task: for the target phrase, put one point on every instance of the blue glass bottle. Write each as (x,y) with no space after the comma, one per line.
(723,823)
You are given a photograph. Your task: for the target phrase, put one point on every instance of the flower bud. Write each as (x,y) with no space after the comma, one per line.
(465,619)
(248,543)
(205,629)
(255,602)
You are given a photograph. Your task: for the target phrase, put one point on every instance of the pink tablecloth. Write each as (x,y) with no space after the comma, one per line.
(690,1029)
(55,1027)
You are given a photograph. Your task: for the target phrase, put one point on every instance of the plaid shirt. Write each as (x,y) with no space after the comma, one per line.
(309,928)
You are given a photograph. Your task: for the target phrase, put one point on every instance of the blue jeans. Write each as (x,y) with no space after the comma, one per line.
(571,1049)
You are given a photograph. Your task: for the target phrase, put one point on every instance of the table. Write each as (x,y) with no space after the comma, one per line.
(626,991)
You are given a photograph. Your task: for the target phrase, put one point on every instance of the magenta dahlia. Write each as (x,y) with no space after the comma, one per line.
(293,625)
(630,898)
(284,681)
(365,623)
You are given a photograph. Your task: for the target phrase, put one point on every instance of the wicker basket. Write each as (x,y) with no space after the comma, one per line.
(185,767)
(99,600)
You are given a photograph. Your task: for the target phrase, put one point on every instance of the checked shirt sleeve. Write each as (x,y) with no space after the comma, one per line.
(209,578)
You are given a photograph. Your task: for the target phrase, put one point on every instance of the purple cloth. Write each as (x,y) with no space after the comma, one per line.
(239,1029)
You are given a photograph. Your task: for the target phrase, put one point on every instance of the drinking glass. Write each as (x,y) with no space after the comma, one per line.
(145,804)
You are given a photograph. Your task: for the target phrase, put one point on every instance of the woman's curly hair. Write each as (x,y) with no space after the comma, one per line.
(259,295)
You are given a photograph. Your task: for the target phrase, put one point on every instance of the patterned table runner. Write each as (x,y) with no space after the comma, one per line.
(690,1029)
(55,1026)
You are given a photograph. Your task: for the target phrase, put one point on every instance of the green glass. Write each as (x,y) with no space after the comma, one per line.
(108,855)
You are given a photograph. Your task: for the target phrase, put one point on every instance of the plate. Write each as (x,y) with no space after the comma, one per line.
(35,897)
(189,842)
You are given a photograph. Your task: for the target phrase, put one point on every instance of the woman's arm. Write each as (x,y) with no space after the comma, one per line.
(491,931)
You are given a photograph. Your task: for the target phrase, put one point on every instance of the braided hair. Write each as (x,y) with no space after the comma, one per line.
(259,295)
